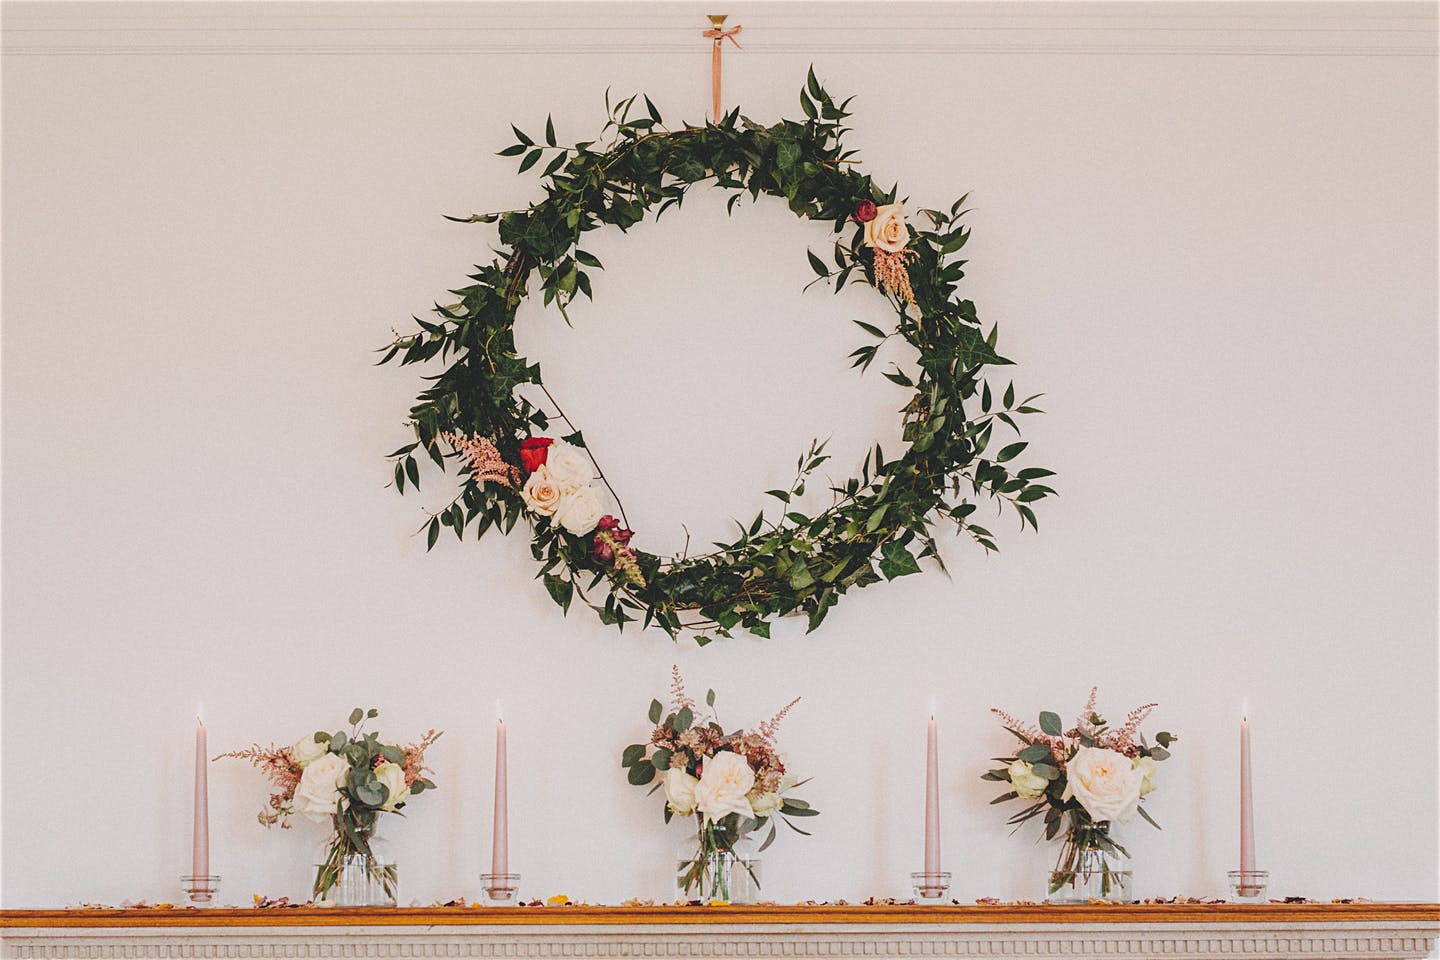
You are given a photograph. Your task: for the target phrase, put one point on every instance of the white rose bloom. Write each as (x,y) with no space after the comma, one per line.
(764,804)
(319,787)
(392,775)
(569,465)
(724,781)
(1027,783)
(306,749)
(1105,782)
(680,791)
(541,492)
(887,231)
(1147,768)
(579,511)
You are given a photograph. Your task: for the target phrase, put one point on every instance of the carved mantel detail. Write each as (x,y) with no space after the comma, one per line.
(1211,932)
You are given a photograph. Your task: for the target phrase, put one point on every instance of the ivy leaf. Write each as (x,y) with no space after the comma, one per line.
(562,591)
(897,561)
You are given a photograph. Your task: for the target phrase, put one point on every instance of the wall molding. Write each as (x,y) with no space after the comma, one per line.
(1135,941)
(32,28)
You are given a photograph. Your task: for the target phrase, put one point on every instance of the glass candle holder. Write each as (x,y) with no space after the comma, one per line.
(1249,886)
(929,887)
(201,891)
(501,889)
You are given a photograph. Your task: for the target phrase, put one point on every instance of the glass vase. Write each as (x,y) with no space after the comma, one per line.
(356,869)
(1092,867)
(708,867)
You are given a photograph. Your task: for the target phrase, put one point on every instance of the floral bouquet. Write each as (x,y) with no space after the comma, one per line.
(1091,776)
(734,784)
(349,779)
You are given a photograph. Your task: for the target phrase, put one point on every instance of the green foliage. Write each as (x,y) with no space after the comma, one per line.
(879,524)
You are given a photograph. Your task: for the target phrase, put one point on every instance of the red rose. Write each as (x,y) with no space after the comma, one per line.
(533,452)
(865,211)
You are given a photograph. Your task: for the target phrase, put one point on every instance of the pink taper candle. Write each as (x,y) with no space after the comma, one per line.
(200,851)
(500,843)
(932,799)
(1247,810)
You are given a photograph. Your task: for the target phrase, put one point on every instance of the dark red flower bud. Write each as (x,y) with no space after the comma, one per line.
(865,211)
(603,550)
(608,522)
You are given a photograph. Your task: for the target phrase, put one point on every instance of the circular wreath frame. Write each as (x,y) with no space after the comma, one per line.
(880,522)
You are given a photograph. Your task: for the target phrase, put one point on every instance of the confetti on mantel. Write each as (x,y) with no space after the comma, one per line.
(262,902)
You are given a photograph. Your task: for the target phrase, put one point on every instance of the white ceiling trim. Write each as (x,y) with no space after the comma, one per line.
(425,28)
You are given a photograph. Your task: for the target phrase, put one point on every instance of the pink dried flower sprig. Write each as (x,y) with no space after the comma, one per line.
(276,764)
(678,699)
(485,462)
(703,737)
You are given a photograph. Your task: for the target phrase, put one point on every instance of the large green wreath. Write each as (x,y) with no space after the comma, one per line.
(879,523)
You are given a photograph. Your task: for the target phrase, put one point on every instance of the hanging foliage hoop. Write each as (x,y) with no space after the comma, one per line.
(475,416)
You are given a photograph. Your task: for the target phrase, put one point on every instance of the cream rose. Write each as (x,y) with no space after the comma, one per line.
(319,788)
(1105,782)
(392,775)
(724,781)
(569,465)
(541,492)
(579,511)
(764,804)
(887,231)
(1027,783)
(680,791)
(306,750)
(1147,768)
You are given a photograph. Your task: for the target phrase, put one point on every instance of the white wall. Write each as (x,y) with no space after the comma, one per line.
(1208,235)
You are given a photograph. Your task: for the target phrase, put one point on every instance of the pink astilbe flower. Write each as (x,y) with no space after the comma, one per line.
(678,700)
(1122,739)
(891,271)
(281,770)
(486,464)
(768,728)
(1086,723)
(1061,748)
(413,761)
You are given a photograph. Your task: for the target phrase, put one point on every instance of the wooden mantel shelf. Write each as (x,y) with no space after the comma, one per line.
(1254,931)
